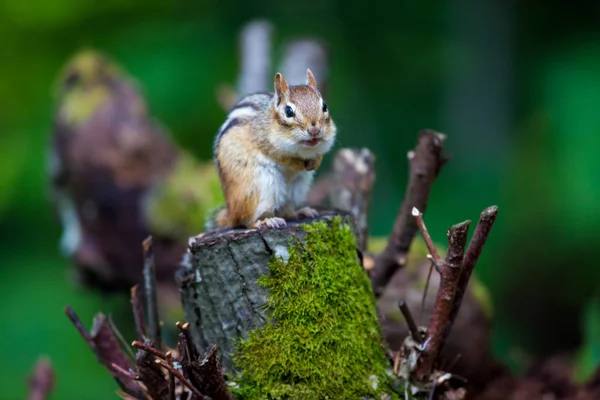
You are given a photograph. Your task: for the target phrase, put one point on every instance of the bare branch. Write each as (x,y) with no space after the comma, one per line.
(149,349)
(41,382)
(412,327)
(450,274)
(105,346)
(120,370)
(433,256)
(80,327)
(150,289)
(426,237)
(425,164)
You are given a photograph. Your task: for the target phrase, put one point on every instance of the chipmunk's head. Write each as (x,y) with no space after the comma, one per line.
(306,128)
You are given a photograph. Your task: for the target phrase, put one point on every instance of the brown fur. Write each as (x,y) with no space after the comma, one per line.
(241,199)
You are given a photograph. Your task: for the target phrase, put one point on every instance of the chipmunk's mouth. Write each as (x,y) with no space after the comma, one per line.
(311,142)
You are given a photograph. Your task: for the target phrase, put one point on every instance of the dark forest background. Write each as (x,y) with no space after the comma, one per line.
(514,85)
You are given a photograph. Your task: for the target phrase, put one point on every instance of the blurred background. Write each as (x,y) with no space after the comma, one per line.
(514,85)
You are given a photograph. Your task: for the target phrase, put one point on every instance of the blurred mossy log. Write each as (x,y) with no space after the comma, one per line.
(291,309)
(348,187)
(117,177)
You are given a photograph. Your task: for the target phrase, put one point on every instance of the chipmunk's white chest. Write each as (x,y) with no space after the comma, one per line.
(280,186)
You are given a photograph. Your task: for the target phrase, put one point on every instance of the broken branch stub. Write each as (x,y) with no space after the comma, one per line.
(482,231)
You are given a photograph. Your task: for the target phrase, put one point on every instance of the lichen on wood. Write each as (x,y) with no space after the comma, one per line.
(292,309)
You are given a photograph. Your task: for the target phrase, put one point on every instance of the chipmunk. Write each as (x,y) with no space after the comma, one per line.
(266,153)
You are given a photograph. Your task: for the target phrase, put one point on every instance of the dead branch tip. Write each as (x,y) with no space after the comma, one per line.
(425,163)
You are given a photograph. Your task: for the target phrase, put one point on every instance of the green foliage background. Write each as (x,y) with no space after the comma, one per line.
(515,85)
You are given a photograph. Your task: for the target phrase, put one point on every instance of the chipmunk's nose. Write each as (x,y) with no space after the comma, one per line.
(314,130)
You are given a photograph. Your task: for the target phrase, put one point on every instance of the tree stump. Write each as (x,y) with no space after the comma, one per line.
(291,309)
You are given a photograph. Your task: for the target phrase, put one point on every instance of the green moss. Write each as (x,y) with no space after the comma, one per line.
(179,205)
(324,340)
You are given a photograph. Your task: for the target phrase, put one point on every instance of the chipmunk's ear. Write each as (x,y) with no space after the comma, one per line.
(281,88)
(310,79)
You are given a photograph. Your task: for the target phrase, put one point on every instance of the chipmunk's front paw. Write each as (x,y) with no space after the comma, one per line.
(273,222)
(307,212)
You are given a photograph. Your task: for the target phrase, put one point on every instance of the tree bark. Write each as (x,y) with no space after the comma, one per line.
(221,298)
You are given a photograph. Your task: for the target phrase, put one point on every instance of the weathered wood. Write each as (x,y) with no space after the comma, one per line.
(220,294)
(348,187)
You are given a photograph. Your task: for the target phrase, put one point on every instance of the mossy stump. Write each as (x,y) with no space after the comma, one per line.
(291,310)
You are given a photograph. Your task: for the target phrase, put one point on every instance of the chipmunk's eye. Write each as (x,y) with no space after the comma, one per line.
(324,107)
(289,112)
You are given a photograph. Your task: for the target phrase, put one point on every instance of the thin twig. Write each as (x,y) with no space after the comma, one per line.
(425,164)
(120,337)
(433,256)
(397,358)
(122,371)
(171,377)
(138,313)
(150,286)
(412,327)
(482,231)
(425,290)
(149,349)
(182,327)
(450,274)
(425,233)
(453,363)
(80,327)
(180,377)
